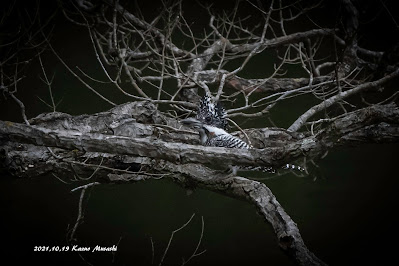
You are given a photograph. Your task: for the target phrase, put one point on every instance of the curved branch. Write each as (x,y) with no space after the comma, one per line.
(270,85)
(259,195)
(334,99)
(281,41)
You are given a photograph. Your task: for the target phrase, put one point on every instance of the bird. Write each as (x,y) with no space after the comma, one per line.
(214,136)
(211,124)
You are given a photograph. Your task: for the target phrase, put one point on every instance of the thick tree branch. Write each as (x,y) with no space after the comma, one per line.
(186,153)
(186,175)
(259,195)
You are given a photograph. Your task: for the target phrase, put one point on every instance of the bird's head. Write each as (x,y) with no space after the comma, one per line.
(193,123)
(211,114)
(198,126)
(201,127)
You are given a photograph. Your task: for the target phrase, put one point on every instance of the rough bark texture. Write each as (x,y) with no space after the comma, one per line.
(146,143)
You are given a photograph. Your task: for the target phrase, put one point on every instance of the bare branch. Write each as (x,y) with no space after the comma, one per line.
(334,99)
(171,238)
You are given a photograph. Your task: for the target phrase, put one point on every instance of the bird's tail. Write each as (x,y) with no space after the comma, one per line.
(293,167)
(272,170)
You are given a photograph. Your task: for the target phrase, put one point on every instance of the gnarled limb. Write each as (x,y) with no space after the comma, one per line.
(291,148)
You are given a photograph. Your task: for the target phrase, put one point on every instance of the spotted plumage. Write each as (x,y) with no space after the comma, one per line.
(214,136)
(211,124)
(211,114)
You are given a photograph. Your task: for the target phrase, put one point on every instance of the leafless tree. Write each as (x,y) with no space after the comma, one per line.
(162,65)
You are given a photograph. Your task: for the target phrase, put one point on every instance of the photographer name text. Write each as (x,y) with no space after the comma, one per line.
(77,248)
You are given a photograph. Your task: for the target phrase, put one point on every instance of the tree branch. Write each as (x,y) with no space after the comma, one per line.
(342,95)
(186,153)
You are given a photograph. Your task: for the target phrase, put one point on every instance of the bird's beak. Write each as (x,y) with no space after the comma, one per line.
(188,121)
(185,121)
(191,122)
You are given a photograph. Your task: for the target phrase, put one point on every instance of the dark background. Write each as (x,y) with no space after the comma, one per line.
(346,210)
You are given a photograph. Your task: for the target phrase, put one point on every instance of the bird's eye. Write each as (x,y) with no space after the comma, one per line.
(208,119)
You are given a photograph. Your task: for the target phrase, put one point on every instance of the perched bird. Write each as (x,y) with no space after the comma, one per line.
(217,137)
(210,122)
(214,136)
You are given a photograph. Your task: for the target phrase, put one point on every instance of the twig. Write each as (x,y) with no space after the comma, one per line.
(171,238)
(84,187)
(79,219)
(195,254)
(22,108)
(243,132)
(152,251)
